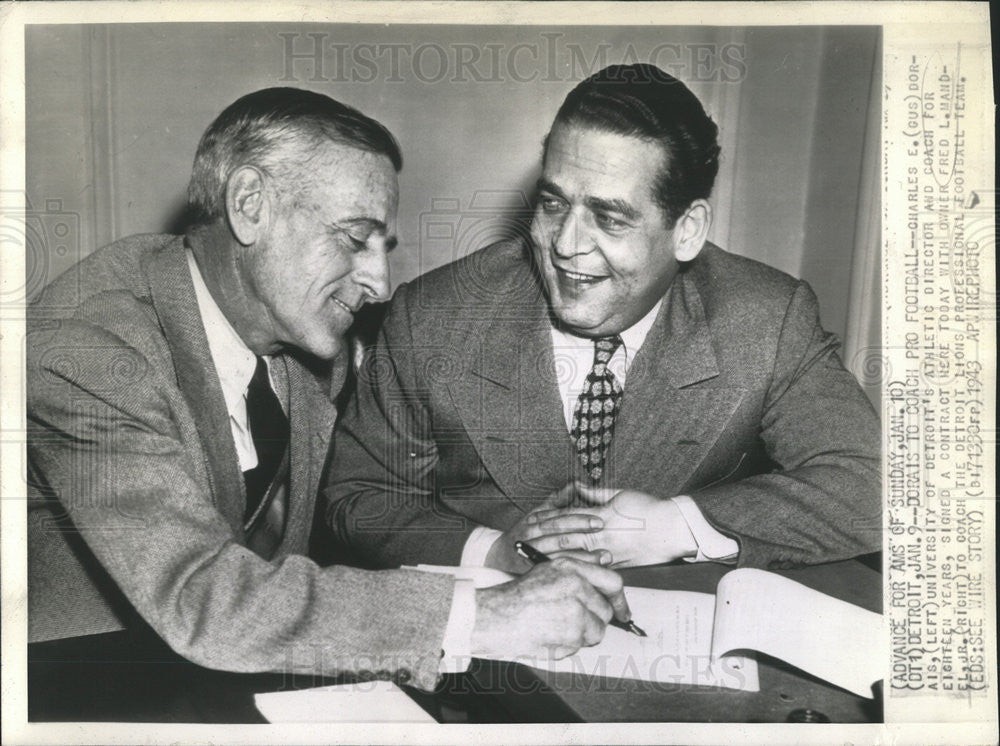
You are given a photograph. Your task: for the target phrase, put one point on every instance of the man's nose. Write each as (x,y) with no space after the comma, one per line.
(570,238)
(371,272)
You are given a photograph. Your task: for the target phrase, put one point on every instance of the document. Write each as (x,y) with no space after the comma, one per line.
(829,638)
(677,649)
(368,701)
(704,639)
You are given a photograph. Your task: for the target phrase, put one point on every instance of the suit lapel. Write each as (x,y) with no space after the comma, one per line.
(173,298)
(667,423)
(508,398)
(311,419)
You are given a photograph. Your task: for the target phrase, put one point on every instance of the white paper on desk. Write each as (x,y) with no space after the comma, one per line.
(364,702)
(824,636)
(678,649)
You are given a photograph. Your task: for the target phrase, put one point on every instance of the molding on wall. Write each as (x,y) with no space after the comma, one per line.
(99,62)
(725,109)
(862,339)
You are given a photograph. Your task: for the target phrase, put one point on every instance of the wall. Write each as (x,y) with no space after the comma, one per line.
(114,114)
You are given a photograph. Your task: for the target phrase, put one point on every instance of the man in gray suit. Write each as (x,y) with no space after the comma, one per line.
(179,398)
(614,386)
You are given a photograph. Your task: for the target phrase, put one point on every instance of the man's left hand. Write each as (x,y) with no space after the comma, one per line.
(639,529)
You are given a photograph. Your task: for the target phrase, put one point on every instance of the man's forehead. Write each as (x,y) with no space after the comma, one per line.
(597,150)
(363,184)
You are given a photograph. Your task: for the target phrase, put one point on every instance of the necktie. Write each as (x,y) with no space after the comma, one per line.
(269,429)
(596,409)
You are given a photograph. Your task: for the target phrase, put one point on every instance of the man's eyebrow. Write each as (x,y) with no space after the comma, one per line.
(370,223)
(544,185)
(617,206)
(374,226)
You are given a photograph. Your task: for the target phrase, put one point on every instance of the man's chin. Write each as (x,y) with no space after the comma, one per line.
(326,349)
(573,320)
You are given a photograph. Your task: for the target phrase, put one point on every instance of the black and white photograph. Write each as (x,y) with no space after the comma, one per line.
(404,379)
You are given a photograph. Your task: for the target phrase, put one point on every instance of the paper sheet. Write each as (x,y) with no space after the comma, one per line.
(678,649)
(829,638)
(364,702)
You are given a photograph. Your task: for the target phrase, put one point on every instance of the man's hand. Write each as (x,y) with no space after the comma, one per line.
(637,528)
(503,557)
(552,611)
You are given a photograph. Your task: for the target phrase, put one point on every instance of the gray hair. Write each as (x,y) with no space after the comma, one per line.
(276,130)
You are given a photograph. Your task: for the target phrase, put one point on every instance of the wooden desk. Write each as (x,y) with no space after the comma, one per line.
(117,677)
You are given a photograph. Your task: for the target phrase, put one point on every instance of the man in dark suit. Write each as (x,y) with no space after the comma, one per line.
(618,388)
(179,398)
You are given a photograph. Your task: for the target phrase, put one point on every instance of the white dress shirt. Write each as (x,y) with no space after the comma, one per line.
(235,364)
(574,357)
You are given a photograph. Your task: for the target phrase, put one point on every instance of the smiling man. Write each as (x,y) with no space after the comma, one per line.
(179,400)
(617,389)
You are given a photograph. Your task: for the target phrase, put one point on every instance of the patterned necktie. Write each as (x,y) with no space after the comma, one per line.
(596,409)
(269,429)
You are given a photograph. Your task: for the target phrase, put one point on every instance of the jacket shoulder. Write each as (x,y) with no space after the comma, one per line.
(461,295)
(738,287)
(119,268)
(484,278)
(103,304)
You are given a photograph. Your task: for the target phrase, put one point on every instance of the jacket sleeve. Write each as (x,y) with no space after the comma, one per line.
(823,502)
(104,439)
(382,488)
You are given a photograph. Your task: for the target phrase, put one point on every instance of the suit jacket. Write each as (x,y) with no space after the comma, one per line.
(737,398)
(136,496)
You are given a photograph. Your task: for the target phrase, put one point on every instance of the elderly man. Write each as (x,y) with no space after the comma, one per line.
(179,413)
(618,386)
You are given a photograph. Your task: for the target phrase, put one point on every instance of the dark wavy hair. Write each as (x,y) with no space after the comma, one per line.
(642,101)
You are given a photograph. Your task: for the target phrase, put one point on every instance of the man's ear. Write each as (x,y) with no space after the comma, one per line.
(691,230)
(246,204)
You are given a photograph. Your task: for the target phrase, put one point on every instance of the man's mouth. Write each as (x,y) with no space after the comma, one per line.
(346,308)
(580,278)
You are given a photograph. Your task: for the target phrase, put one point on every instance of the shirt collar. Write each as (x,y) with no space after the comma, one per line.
(234,361)
(635,335)
(632,338)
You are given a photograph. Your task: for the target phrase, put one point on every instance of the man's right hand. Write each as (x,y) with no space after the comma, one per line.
(502,555)
(552,611)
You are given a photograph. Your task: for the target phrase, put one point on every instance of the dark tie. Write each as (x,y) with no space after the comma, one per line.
(596,409)
(269,429)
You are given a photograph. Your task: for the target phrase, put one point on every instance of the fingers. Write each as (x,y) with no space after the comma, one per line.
(551,544)
(592,633)
(606,582)
(561,522)
(596,557)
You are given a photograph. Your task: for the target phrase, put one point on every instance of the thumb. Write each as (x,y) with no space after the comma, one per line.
(596,495)
(565,497)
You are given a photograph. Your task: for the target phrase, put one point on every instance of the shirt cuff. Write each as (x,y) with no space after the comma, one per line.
(712,545)
(456,648)
(478,546)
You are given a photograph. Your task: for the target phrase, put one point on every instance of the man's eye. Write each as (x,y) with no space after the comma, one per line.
(609,223)
(550,204)
(358,243)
